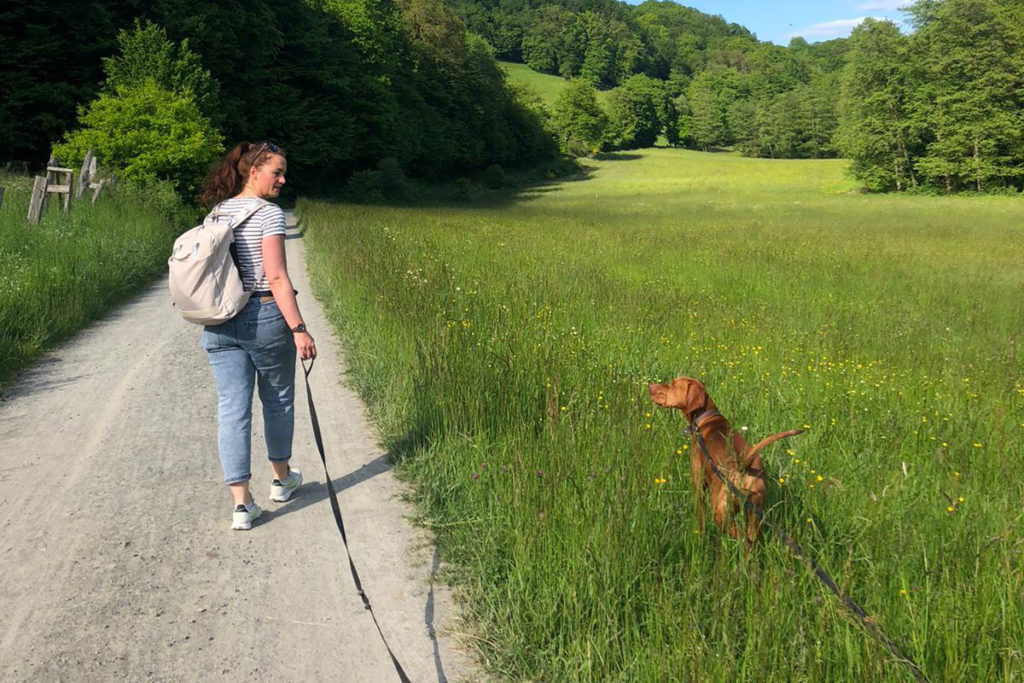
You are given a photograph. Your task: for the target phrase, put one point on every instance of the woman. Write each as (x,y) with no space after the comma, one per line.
(259,344)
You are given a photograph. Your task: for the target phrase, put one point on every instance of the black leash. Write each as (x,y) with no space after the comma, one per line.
(341,524)
(822,575)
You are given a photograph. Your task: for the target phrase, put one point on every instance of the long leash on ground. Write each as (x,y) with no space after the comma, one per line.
(822,575)
(341,525)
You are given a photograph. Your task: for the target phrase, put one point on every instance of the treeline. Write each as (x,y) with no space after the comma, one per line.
(939,109)
(342,84)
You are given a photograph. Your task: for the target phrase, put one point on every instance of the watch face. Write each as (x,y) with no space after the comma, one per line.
(301,327)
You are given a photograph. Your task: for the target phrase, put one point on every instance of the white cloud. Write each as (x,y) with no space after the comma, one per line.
(883,5)
(829,29)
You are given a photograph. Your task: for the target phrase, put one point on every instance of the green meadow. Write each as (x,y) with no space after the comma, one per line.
(504,349)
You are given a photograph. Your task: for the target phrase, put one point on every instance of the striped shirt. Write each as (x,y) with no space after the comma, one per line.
(267,221)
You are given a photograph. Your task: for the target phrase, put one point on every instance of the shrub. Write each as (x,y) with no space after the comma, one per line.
(367,186)
(393,183)
(494,177)
(463,189)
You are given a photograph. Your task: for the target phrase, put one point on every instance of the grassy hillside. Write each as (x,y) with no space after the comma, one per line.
(547,86)
(505,352)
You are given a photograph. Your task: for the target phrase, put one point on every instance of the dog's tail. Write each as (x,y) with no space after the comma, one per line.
(749,456)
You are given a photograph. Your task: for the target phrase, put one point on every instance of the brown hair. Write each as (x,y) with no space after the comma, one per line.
(228,177)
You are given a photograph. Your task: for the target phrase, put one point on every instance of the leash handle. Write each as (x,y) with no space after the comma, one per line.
(341,524)
(822,575)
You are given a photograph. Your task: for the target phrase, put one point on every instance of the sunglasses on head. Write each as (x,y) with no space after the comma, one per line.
(266,145)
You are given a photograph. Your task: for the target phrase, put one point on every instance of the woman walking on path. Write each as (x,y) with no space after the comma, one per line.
(257,346)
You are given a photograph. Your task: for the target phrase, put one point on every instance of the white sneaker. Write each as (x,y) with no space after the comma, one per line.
(280,491)
(244,515)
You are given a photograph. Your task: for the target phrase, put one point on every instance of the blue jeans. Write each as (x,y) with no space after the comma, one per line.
(254,345)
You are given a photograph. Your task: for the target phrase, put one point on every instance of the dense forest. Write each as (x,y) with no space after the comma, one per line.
(357,87)
(341,84)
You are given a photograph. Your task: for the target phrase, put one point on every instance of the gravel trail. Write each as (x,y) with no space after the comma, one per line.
(117,561)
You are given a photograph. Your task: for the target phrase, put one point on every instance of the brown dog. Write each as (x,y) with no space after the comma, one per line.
(738,462)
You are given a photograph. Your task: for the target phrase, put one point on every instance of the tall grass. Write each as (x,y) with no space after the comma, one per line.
(505,350)
(59,275)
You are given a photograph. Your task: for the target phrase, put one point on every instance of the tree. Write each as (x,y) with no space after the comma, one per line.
(680,131)
(578,118)
(710,96)
(638,111)
(878,129)
(973,58)
(547,44)
(147,54)
(49,64)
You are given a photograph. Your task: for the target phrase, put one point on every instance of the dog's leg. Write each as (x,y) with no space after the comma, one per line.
(724,510)
(753,528)
(699,489)
(755,495)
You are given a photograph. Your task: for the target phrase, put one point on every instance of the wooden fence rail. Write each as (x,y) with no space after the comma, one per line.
(61,181)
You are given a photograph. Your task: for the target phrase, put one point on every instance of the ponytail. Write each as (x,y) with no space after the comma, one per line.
(228,177)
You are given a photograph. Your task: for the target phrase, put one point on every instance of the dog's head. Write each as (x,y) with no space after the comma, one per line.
(685,393)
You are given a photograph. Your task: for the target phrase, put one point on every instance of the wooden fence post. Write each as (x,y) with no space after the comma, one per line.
(87,173)
(1,197)
(35,204)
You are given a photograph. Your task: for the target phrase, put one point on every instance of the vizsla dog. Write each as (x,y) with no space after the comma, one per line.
(738,462)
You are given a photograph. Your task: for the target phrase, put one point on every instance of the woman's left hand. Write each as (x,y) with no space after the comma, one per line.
(305,345)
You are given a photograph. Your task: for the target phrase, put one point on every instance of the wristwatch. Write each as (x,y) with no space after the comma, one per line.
(301,327)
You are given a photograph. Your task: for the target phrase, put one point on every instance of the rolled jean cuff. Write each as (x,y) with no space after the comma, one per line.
(234,480)
(284,459)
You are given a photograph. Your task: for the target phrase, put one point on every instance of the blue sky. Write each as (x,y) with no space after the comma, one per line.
(815,20)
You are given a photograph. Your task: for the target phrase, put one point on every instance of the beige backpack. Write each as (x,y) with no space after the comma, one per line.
(204,281)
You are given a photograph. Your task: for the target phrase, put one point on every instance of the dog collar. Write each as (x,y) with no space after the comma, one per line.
(707,414)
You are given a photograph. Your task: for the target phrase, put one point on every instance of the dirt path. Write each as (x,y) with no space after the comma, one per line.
(116,556)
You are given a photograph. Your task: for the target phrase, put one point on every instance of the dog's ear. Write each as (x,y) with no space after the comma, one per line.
(696,395)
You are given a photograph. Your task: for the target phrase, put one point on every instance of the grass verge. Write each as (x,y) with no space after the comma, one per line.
(70,269)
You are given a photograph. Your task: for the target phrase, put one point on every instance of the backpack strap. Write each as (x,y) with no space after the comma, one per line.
(216,212)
